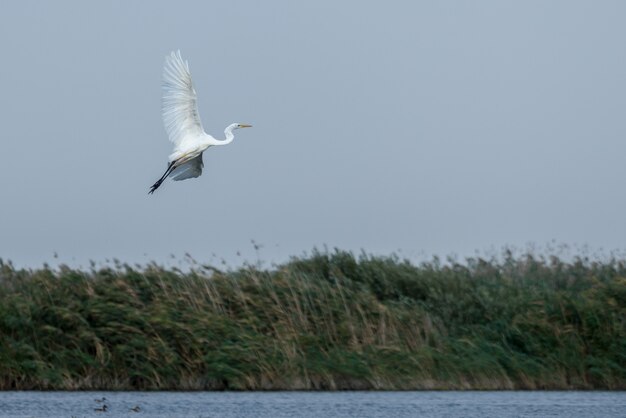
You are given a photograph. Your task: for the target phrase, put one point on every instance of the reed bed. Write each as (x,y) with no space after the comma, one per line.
(327,321)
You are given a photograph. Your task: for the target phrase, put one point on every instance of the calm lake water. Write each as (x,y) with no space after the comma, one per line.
(315,404)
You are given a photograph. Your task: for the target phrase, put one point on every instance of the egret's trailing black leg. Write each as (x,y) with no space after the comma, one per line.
(156,185)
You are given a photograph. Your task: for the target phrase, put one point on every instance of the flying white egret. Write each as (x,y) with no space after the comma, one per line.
(182,123)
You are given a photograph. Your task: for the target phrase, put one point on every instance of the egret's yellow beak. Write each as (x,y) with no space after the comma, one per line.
(245,126)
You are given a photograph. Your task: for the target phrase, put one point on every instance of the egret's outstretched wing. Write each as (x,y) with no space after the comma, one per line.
(179,106)
(192,168)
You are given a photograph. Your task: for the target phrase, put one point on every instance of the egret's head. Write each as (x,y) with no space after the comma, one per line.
(230,128)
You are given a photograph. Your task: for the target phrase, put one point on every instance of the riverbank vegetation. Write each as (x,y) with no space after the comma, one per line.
(329,320)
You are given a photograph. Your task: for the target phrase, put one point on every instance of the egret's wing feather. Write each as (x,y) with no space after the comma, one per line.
(180,103)
(192,168)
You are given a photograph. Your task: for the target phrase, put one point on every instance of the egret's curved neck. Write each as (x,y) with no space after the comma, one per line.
(229,137)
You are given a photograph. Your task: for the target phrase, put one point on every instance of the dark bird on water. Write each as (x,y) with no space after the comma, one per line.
(103,409)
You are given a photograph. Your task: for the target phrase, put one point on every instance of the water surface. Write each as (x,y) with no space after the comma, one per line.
(316,404)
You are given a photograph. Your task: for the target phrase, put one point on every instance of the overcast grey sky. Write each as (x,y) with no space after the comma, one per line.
(421,127)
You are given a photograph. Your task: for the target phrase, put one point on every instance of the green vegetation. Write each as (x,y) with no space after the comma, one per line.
(326,321)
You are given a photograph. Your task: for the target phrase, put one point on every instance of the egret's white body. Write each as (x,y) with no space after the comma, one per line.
(182,123)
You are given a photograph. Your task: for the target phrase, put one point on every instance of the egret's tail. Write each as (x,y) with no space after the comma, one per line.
(163,177)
